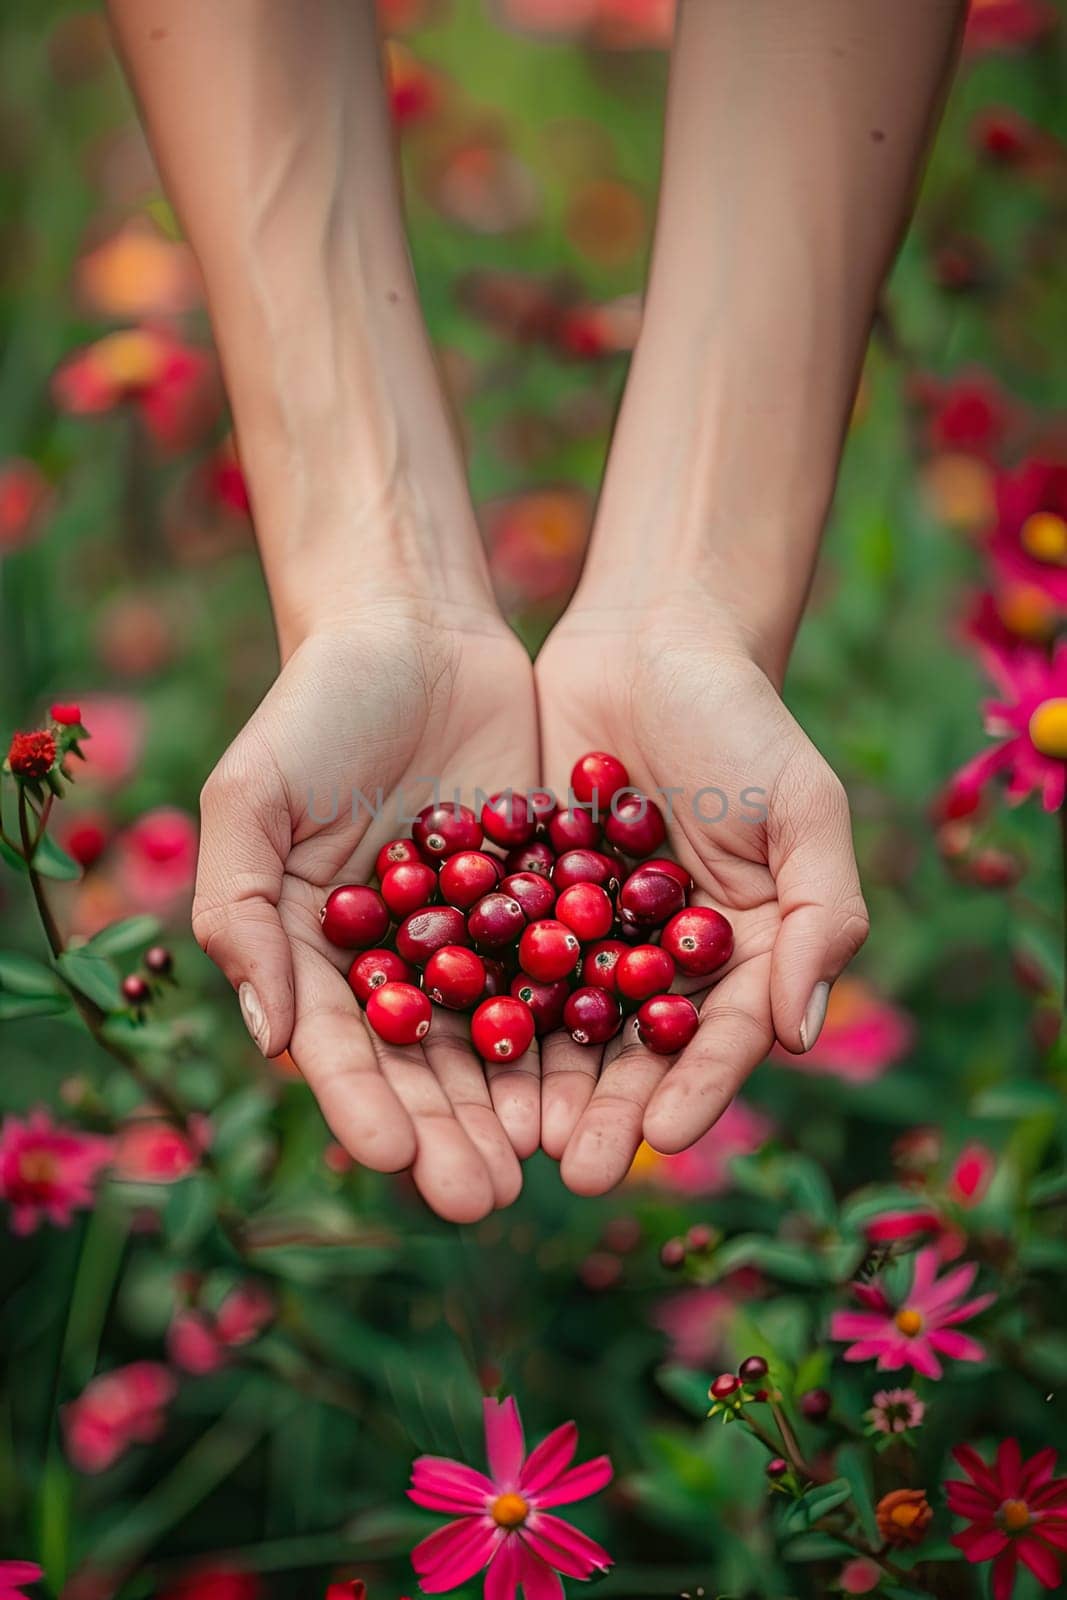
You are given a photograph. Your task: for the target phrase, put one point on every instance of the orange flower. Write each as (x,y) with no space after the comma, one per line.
(903,1516)
(172,385)
(138,273)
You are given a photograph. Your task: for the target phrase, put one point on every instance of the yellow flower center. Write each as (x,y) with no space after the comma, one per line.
(509,1511)
(1027,611)
(1048,728)
(1014,1516)
(905,1515)
(1044,536)
(131,358)
(37,1167)
(645,1163)
(909,1322)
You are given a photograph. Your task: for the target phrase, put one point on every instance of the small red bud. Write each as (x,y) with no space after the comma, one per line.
(777,1467)
(672,1254)
(700,1237)
(751,1368)
(724,1386)
(68,716)
(135,990)
(31,755)
(815,1404)
(158,960)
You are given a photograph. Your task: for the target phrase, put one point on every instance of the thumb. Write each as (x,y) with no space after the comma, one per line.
(824,918)
(244,843)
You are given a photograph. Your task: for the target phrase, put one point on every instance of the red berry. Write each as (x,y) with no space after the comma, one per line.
(666,1023)
(724,1386)
(592,1016)
(700,1236)
(68,716)
(598,777)
(425,931)
(535,857)
(454,977)
(649,897)
(543,804)
(644,971)
(135,990)
(635,825)
(584,866)
(407,886)
(600,965)
(399,1013)
(751,1368)
(535,894)
(508,819)
(86,839)
(496,920)
(465,878)
(672,1254)
(158,960)
(545,1000)
(699,939)
(777,1467)
(445,829)
(573,829)
(502,1029)
(587,909)
(673,869)
(354,917)
(496,977)
(548,950)
(815,1404)
(395,853)
(372,968)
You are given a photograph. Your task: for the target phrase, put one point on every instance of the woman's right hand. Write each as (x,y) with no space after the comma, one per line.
(390,698)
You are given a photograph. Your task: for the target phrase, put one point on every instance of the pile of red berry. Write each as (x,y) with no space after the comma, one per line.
(556,932)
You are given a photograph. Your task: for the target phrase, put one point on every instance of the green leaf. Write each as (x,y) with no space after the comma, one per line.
(189,1212)
(1053,1186)
(120,937)
(15,1006)
(52,862)
(850,1464)
(26,975)
(12,857)
(687,1389)
(93,977)
(804,1513)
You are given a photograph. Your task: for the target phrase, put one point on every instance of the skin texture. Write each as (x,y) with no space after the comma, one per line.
(794,137)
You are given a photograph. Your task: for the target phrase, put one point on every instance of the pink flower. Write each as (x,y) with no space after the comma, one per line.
(114,1411)
(967,414)
(859,1576)
(1007,24)
(117,727)
(25,496)
(199,1342)
(1029,541)
(504,1525)
(13,1574)
(47,1170)
(157,858)
(895,1411)
(150,1150)
(697,1323)
(1031,722)
(914,1333)
(892,1226)
(1017,1511)
(972,1173)
(863,1035)
(171,384)
(705,1167)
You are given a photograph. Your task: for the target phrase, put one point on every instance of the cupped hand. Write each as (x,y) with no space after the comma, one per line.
(761,822)
(395,701)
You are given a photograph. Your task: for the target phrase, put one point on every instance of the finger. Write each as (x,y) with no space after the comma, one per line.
(824,919)
(605,1141)
(447,1049)
(569,1074)
(448,1170)
(515,1091)
(735,1034)
(332,1047)
(244,842)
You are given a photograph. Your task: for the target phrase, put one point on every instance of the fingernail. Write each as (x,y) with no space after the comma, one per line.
(815,1015)
(254,1015)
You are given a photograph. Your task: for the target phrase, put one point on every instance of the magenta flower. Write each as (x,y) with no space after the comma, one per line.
(1017,1512)
(14,1574)
(1031,723)
(47,1170)
(1030,538)
(915,1333)
(895,1411)
(504,1525)
(705,1167)
(864,1034)
(115,1410)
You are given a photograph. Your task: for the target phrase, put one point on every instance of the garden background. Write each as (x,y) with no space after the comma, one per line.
(286,1333)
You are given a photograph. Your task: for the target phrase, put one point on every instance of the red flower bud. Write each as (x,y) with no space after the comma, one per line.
(135,989)
(815,1404)
(777,1467)
(67,715)
(672,1253)
(751,1368)
(724,1386)
(31,755)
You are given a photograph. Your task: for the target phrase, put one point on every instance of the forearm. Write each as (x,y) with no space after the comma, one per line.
(795,135)
(269,122)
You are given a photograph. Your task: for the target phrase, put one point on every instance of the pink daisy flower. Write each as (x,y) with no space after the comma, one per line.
(1017,1511)
(920,1329)
(1030,538)
(14,1574)
(895,1411)
(504,1524)
(48,1171)
(1031,723)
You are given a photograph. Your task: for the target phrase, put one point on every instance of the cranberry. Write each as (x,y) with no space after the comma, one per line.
(425,931)
(600,965)
(543,804)
(644,971)
(598,777)
(573,828)
(407,886)
(724,1386)
(673,869)
(649,897)
(584,866)
(445,829)
(396,853)
(158,961)
(537,856)
(592,1016)
(354,917)
(508,819)
(464,878)
(496,920)
(534,893)
(545,1000)
(751,1368)
(399,1013)
(699,939)
(496,977)
(666,1023)
(454,977)
(372,968)
(502,1028)
(815,1404)
(635,825)
(548,950)
(587,909)
(135,990)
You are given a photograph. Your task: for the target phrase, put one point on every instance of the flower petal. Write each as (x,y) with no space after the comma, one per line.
(538,1580)
(1042,1562)
(1010,1468)
(551,1458)
(956,1345)
(440,1484)
(975,1468)
(858,1324)
(589,1477)
(502,1578)
(1039,1469)
(921,1356)
(504,1443)
(455,1553)
(981,1543)
(1004,1574)
(964,1500)
(963,1313)
(565,1547)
